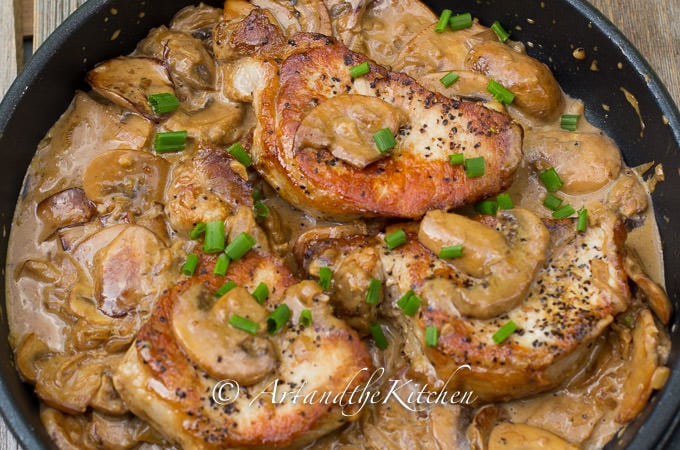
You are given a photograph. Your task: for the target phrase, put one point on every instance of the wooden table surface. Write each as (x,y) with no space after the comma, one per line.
(650,25)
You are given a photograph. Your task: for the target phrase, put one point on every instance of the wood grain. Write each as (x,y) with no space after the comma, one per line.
(650,25)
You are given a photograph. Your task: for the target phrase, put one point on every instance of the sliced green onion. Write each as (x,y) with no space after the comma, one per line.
(243,324)
(448,79)
(261,292)
(278,318)
(431,336)
(373,294)
(306,318)
(410,307)
(460,21)
(551,180)
(582,223)
(569,122)
(240,246)
(500,93)
(394,240)
(190,264)
(457,159)
(443,20)
(163,103)
(359,70)
(198,230)
(378,336)
(226,287)
(325,276)
(260,209)
(403,300)
(504,332)
(487,207)
(564,212)
(221,265)
(257,195)
(214,237)
(237,151)
(505,201)
(475,167)
(552,202)
(453,251)
(502,34)
(384,140)
(171,141)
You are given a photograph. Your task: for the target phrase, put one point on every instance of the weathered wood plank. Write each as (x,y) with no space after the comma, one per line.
(48,14)
(10,42)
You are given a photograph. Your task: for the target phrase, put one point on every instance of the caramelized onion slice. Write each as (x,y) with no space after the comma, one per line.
(517,436)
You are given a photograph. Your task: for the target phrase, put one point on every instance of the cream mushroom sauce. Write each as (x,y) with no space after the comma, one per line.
(102,230)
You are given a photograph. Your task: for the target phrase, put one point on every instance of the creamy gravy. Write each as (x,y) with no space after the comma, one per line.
(42,276)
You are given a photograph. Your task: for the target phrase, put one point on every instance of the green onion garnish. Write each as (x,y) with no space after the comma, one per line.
(190,264)
(460,21)
(305,318)
(237,151)
(564,212)
(410,305)
(198,230)
(443,21)
(582,223)
(325,276)
(260,209)
(569,122)
(502,34)
(214,237)
(552,202)
(448,79)
(453,251)
(500,93)
(475,167)
(171,141)
(359,70)
(504,332)
(551,180)
(240,246)
(394,240)
(457,159)
(378,336)
(257,195)
(278,318)
(431,336)
(373,294)
(243,324)
(384,140)
(403,301)
(487,207)
(226,287)
(163,103)
(221,265)
(505,201)
(261,292)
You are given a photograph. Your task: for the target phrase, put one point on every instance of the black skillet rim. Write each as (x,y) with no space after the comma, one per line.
(15,398)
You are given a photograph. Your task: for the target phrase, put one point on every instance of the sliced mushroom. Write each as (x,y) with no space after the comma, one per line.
(518,436)
(429,52)
(504,262)
(132,174)
(654,294)
(237,10)
(346,20)
(107,400)
(585,162)
(628,195)
(469,84)
(129,271)
(189,63)
(256,33)
(192,19)
(536,90)
(69,207)
(219,122)
(128,82)
(313,16)
(646,360)
(346,124)
(241,77)
(223,351)
(29,352)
